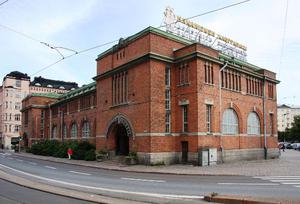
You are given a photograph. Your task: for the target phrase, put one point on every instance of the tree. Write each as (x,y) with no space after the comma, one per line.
(295,129)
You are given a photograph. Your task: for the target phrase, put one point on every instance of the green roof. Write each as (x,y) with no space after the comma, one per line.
(79,91)
(150,29)
(48,95)
(238,62)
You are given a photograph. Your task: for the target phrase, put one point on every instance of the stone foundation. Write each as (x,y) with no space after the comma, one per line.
(246,154)
(235,155)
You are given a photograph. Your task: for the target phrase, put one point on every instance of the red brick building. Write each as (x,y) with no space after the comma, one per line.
(165,98)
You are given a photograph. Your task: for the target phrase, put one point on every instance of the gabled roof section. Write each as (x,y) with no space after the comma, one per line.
(147,30)
(79,91)
(47,95)
(238,62)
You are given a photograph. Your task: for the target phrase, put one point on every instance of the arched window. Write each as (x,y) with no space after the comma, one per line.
(230,123)
(54,132)
(74,130)
(85,129)
(253,124)
(64,131)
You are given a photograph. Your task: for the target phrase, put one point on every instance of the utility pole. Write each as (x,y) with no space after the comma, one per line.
(265,119)
(220,108)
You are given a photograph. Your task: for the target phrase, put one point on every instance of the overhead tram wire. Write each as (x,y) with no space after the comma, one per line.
(212,11)
(39,41)
(3,2)
(69,56)
(283,37)
(101,45)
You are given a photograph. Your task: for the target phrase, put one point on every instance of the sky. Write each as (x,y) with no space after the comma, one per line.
(81,24)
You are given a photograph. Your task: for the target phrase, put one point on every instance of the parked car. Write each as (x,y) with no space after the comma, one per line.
(296,146)
(289,146)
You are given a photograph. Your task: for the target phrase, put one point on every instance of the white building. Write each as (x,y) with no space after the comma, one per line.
(286,116)
(15,87)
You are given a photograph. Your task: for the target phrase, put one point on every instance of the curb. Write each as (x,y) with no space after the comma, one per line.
(28,155)
(64,192)
(226,199)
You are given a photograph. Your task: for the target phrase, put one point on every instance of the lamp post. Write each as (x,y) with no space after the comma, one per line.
(220,108)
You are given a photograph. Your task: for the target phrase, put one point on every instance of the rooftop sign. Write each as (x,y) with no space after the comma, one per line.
(185,28)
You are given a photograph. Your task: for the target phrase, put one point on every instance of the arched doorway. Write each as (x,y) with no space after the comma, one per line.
(118,134)
(121,140)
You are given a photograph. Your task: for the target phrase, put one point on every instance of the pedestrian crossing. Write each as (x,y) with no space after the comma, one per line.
(285,180)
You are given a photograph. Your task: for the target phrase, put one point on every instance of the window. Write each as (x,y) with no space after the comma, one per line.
(271,124)
(26,118)
(10,116)
(64,131)
(229,122)
(54,132)
(185,118)
(85,129)
(74,130)
(253,124)
(18,83)
(17,128)
(231,79)
(253,86)
(167,100)
(9,128)
(120,88)
(271,94)
(17,106)
(208,118)
(17,117)
(42,123)
(184,74)
(6,104)
(209,73)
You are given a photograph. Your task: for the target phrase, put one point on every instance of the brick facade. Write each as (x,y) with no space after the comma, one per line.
(131,94)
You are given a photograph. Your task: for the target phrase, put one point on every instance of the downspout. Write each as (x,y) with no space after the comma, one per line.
(220,110)
(265,119)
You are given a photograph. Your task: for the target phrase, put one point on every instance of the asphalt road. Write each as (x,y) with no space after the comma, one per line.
(144,186)
(15,194)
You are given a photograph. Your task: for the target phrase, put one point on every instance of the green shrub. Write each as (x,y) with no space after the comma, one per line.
(90,155)
(81,150)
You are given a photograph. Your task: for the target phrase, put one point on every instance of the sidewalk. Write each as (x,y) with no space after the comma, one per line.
(287,165)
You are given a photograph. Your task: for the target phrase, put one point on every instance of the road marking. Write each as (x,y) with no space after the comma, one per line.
(276,177)
(170,196)
(32,163)
(291,183)
(286,180)
(144,180)
(50,167)
(82,173)
(251,184)
(9,158)
(20,160)
(297,186)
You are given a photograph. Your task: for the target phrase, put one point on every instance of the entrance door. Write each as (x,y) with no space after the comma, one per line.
(185,150)
(122,141)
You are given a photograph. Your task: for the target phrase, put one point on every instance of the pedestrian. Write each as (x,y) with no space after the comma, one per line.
(283,147)
(70,152)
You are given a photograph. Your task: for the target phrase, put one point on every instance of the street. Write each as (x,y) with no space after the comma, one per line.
(145,186)
(15,194)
